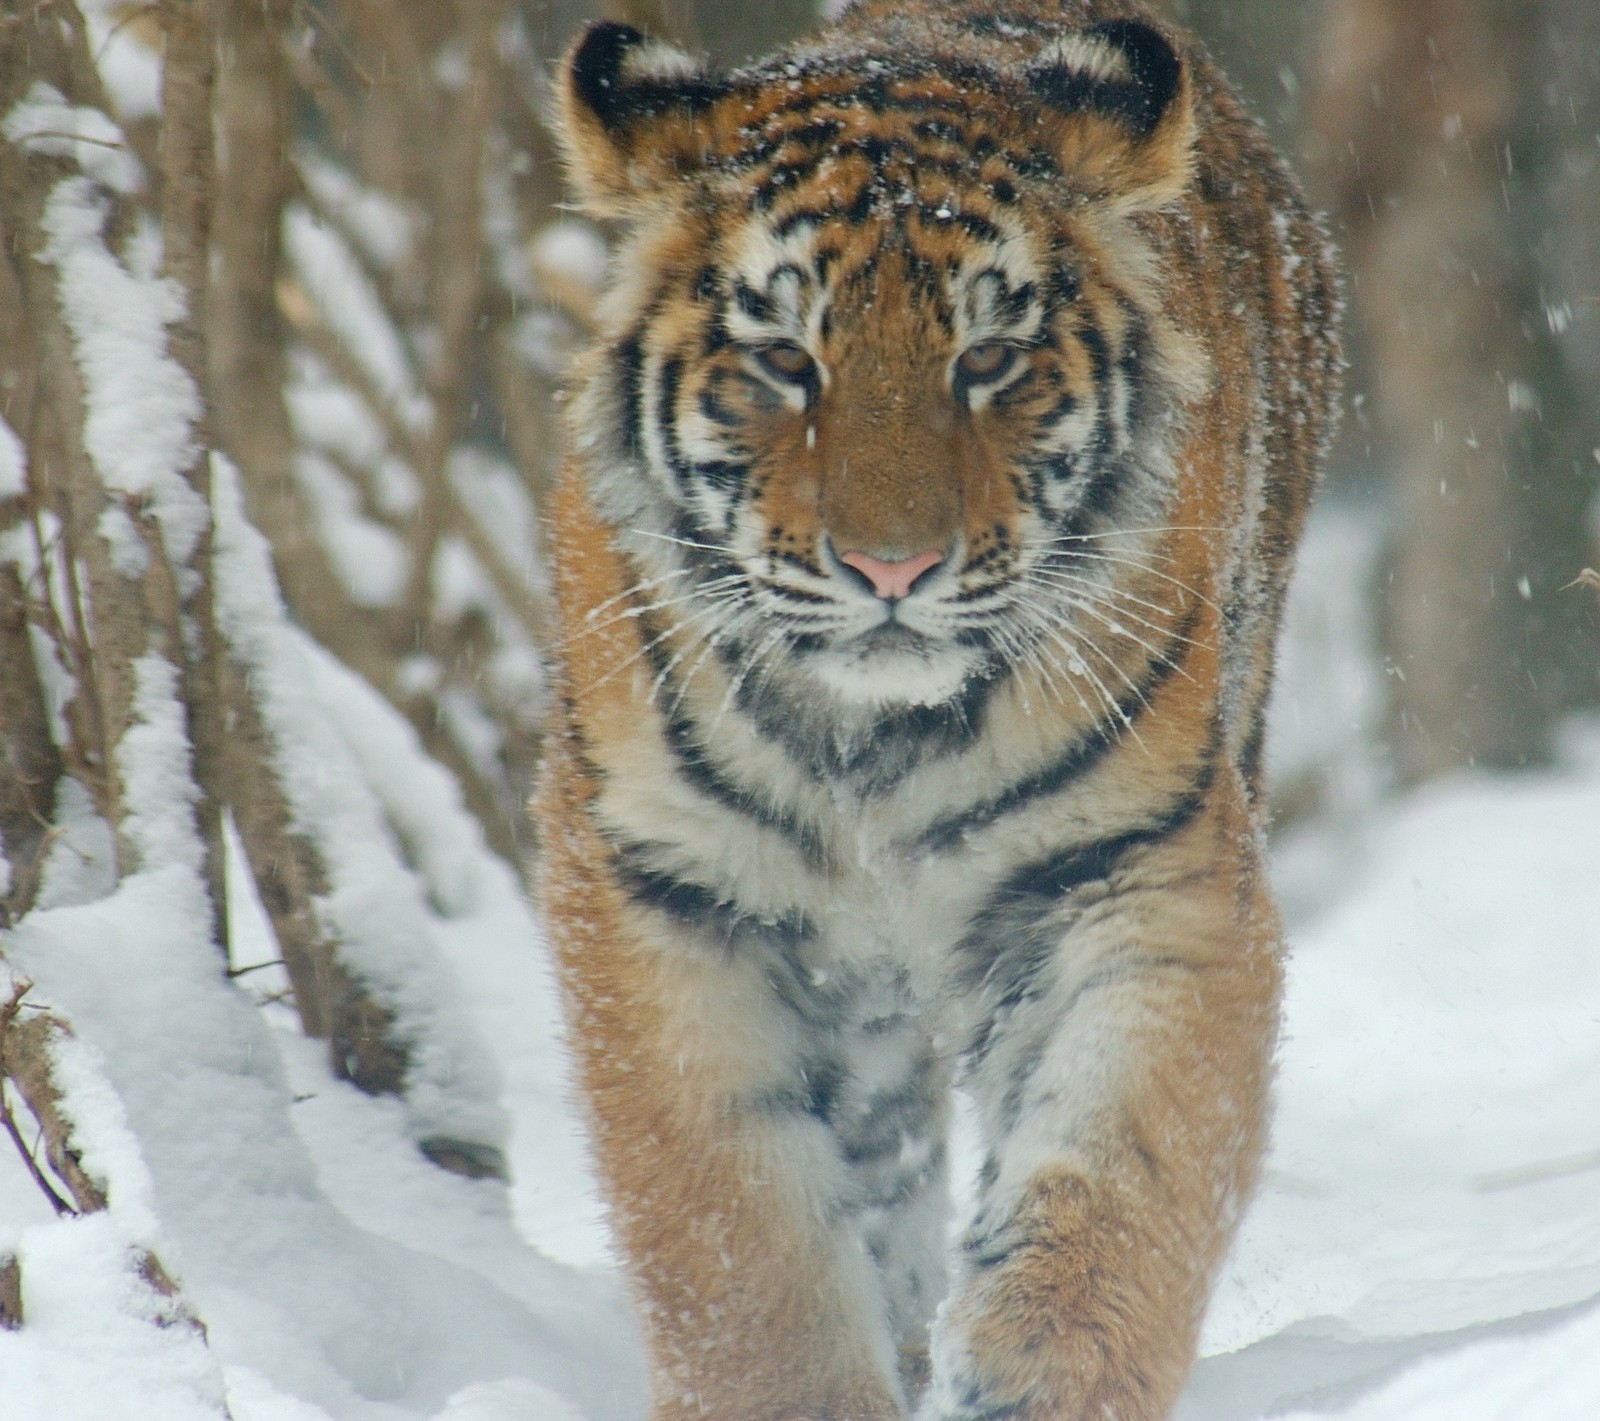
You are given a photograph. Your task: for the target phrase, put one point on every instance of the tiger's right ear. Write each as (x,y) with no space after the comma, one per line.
(629,109)
(1123,106)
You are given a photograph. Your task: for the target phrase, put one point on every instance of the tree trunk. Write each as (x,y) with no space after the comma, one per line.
(1437,138)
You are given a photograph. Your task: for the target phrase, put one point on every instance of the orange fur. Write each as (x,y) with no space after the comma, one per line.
(1046,306)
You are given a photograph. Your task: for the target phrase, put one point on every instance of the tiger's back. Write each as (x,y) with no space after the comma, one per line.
(935,476)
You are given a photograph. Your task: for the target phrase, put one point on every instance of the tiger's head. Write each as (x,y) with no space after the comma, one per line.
(884,392)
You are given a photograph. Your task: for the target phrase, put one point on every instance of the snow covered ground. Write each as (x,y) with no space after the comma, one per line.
(1427,1243)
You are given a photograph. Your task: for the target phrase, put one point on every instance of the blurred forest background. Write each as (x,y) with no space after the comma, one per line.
(330,286)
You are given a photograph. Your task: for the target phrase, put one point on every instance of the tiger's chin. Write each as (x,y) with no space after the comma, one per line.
(901,669)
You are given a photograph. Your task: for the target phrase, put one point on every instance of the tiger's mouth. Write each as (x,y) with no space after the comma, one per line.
(892,663)
(894,638)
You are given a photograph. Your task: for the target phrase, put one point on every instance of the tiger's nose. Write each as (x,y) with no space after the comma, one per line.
(892,580)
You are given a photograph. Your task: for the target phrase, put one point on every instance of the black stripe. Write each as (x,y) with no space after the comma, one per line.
(707,777)
(1015,934)
(923,277)
(668,382)
(1020,390)
(1131,362)
(893,1189)
(1014,304)
(723,474)
(1064,406)
(891,1115)
(1253,752)
(973,223)
(628,362)
(697,906)
(1093,340)
(1037,163)
(1154,71)
(816,133)
(798,595)
(985,1249)
(700,771)
(878,93)
(715,335)
(940,131)
(902,741)
(718,413)
(1057,874)
(860,207)
(757,305)
(948,832)
(814,1091)
(800,217)
(785,176)
(1128,969)
(1063,286)
(618,101)
(1099,493)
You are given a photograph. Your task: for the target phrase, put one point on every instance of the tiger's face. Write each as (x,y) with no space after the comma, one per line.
(889,395)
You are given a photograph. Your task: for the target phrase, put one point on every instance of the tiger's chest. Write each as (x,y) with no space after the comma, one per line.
(857,909)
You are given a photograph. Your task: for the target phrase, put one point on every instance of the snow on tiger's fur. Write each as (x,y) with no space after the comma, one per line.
(960,388)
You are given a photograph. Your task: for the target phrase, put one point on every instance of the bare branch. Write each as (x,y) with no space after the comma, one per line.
(25,1064)
(49,43)
(10,1292)
(187,187)
(29,762)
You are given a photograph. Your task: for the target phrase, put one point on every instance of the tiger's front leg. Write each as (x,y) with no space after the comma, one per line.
(1121,1069)
(728,1194)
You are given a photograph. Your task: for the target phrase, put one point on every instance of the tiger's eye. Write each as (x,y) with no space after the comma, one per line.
(987,361)
(787,361)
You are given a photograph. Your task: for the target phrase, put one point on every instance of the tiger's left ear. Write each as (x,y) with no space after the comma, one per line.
(1123,110)
(629,108)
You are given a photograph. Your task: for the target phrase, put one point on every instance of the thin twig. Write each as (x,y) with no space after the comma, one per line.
(61,1206)
(322,90)
(236,972)
(131,18)
(319,21)
(66,137)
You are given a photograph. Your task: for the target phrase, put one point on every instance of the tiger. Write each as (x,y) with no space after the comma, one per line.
(932,480)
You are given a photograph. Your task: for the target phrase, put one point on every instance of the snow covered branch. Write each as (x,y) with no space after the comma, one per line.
(33,1070)
(377,336)
(122,665)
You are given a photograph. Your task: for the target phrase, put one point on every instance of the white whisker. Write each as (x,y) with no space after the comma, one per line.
(1078,650)
(1114,560)
(645,648)
(773,639)
(719,589)
(632,588)
(1116,628)
(685,542)
(713,641)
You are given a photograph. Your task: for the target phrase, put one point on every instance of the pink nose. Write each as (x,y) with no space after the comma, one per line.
(892,580)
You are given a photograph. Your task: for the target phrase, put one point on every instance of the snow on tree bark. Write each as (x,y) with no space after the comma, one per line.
(105,580)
